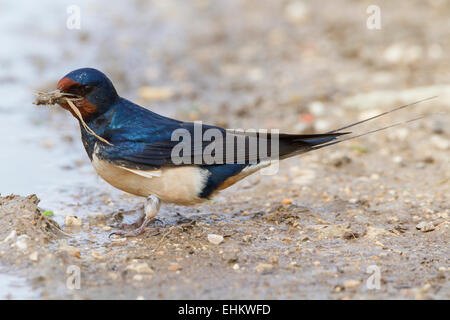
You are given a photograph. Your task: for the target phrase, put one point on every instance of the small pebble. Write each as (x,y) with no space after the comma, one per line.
(440,142)
(140,268)
(174,267)
(351,284)
(286,201)
(317,108)
(138,277)
(428,227)
(72,221)
(397,159)
(22,242)
(420,225)
(426,288)
(297,12)
(264,267)
(394,53)
(425,226)
(215,238)
(34,256)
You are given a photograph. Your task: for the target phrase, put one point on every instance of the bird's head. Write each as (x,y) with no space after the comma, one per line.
(95,92)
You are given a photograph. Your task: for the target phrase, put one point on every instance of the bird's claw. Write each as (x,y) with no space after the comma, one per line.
(127,234)
(127,220)
(135,232)
(151,208)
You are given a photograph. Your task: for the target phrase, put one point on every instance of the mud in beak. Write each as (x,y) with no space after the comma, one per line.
(54,97)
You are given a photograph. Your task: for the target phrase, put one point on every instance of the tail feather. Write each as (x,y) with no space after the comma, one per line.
(293,144)
(382,114)
(371,131)
(314,142)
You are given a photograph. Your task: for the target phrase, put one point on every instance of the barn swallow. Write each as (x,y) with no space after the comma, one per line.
(135,151)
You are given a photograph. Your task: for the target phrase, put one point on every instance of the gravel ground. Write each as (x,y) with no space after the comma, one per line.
(327,224)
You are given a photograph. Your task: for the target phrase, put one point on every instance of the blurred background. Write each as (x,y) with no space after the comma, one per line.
(297,65)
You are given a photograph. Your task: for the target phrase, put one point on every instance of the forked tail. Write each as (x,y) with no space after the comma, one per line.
(306,143)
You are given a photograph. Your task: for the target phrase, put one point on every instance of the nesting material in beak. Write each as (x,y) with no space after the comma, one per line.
(54,97)
(60,97)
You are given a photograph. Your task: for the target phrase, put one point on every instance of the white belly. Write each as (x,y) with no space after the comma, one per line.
(180,185)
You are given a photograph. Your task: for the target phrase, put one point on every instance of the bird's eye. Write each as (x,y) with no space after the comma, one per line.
(80,89)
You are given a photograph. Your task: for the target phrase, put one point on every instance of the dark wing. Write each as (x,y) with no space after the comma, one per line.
(145,140)
(228,149)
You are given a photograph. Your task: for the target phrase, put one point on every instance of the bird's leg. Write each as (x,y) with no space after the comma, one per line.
(151,208)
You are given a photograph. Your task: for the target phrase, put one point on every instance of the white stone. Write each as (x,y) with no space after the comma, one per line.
(72,221)
(34,256)
(22,242)
(140,268)
(440,142)
(394,53)
(138,277)
(397,159)
(296,12)
(215,238)
(317,108)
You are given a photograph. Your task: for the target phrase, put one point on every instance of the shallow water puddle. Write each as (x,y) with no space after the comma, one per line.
(14,287)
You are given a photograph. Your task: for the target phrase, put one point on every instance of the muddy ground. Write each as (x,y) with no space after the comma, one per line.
(318,228)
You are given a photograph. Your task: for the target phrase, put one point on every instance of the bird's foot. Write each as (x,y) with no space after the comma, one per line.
(132,233)
(151,208)
(127,220)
